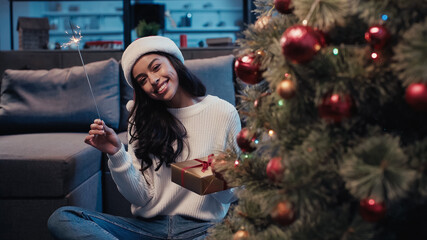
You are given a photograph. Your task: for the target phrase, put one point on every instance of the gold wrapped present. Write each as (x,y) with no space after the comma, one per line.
(196,175)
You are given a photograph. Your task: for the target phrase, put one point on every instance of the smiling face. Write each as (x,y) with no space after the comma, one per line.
(159,79)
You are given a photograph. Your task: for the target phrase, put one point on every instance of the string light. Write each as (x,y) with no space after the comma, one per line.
(270,133)
(335,51)
(335,98)
(374,55)
(384,17)
(281,102)
(304,22)
(236,163)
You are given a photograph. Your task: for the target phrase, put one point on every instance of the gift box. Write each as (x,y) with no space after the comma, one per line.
(196,175)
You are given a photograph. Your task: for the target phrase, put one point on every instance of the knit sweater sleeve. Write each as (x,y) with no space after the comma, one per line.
(130,182)
(234,127)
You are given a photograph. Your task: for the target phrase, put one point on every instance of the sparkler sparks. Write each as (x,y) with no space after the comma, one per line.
(75,40)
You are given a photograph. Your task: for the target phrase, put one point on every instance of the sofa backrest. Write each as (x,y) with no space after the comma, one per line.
(216,73)
(39,59)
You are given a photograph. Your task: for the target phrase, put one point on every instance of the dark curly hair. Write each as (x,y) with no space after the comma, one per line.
(152,127)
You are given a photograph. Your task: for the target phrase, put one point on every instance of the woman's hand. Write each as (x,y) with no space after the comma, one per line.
(103,138)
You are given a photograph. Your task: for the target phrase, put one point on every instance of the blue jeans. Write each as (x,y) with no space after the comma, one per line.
(77,223)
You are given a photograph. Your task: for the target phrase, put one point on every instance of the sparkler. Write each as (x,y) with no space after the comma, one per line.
(75,39)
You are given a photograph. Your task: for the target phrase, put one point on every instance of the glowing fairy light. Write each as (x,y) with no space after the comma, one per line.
(335,98)
(335,51)
(236,163)
(75,40)
(374,55)
(384,17)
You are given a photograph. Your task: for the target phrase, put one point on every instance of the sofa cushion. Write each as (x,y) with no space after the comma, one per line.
(217,75)
(45,164)
(26,218)
(126,94)
(59,99)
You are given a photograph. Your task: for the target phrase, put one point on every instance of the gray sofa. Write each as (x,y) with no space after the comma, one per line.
(45,112)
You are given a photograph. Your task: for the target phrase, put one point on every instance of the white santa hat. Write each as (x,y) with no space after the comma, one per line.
(146,45)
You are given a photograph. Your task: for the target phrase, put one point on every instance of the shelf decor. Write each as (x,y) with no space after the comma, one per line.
(33,33)
(144,29)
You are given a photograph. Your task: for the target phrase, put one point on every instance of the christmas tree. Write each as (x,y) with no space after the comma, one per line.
(334,112)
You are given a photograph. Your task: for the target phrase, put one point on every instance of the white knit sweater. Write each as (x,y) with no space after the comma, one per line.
(212,125)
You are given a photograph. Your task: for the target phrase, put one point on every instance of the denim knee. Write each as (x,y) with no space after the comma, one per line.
(59,217)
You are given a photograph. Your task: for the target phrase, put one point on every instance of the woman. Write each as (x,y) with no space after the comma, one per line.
(171,120)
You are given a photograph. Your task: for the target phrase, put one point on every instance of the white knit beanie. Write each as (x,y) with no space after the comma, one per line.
(146,45)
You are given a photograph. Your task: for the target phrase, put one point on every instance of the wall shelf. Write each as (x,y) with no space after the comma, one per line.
(82,14)
(119,17)
(227,13)
(207,10)
(88,32)
(202,29)
(203,19)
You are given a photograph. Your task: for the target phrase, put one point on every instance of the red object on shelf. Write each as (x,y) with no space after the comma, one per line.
(183,40)
(104,45)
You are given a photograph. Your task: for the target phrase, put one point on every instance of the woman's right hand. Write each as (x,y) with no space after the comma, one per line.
(103,138)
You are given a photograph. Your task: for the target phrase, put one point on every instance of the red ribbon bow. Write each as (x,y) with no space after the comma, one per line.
(204,164)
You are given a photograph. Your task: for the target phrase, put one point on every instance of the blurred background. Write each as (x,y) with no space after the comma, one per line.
(114,24)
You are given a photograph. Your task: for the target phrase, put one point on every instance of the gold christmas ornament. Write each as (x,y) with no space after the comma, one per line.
(286,89)
(262,22)
(283,213)
(241,234)
(260,53)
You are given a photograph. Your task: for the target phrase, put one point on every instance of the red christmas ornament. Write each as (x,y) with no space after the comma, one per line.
(323,38)
(248,70)
(283,213)
(283,6)
(275,169)
(300,43)
(335,107)
(416,96)
(244,141)
(371,210)
(377,36)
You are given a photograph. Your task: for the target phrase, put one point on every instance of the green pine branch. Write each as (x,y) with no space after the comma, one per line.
(377,168)
(410,55)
